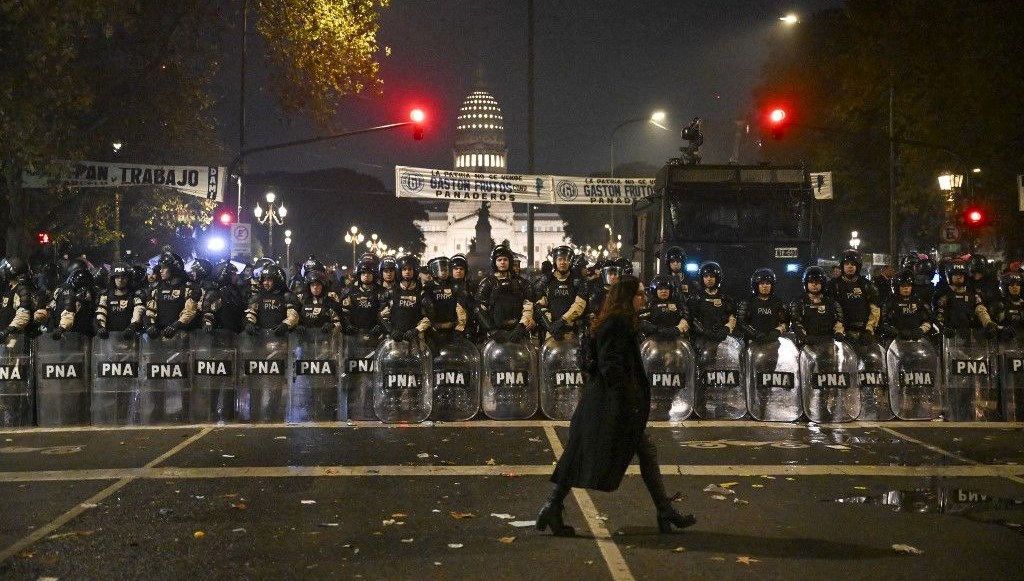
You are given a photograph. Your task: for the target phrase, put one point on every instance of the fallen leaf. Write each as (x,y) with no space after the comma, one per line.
(728,484)
(717,497)
(502,515)
(281,438)
(757,485)
(523,523)
(746,560)
(717,558)
(860,487)
(199,534)
(506,540)
(398,515)
(718,489)
(89,505)
(308,502)
(490,462)
(239,506)
(423,455)
(328,524)
(509,474)
(461,515)
(531,439)
(906,549)
(227,455)
(388,522)
(455,545)
(678,549)
(238,530)
(406,540)
(229,495)
(740,501)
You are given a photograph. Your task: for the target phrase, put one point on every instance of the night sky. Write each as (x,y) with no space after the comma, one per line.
(598,63)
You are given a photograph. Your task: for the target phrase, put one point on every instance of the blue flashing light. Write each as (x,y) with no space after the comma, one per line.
(792,267)
(692,267)
(215,244)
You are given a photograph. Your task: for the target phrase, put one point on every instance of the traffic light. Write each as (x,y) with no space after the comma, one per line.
(44,237)
(777,121)
(974,217)
(417,116)
(225,217)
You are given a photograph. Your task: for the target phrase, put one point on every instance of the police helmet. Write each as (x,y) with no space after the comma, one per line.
(368,257)
(624,264)
(762,275)
(977,263)
(910,260)
(13,268)
(608,271)
(814,274)
(202,269)
(579,263)
(439,265)
(173,262)
(365,266)
(387,263)
(499,251)
(459,261)
(711,268)
(674,254)
(80,279)
(851,256)
(904,277)
(315,276)
(225,272)
(1010,278)
(274,273)
(561,250)
(659,282)
(408,261)
(312,265)
(925,268)
(955,267)
(76,264)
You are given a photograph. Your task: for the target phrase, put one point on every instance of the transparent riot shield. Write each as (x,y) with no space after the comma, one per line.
(359,361)
(404,382)
(116,384)
(772,378)
(316,364)
(62,384)
(874,382)
(972,393)
(1011,379)
(672,372)
(509,382)
(829,382)
(166,380)
(915,379)
(214,376)
(265,377)
(719,392)
(16,383)
(456,380)
(561,379)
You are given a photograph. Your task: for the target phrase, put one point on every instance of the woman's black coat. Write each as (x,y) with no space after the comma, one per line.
(610,418)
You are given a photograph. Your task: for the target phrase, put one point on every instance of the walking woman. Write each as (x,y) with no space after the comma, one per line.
(607,429)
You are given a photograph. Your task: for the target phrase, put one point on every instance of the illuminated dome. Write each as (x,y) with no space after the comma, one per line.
(480,135)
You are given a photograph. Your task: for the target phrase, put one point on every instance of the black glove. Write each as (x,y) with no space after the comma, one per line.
(867,337)
(912,334)
(327,328)
(7,333)
(772,336)
(128,334)
(557,327)
(170,331)
(500,335)
(648,328)
(949,332)
(518,333)
(718,335)
(376,331)
(889,331)
(412,335)
(1007,334)
(281,330)
(152,331)
(103,333)
(991,331)
(800,339)
(839,337)
(668,333)
(57,334)
(252,329)
(397,336)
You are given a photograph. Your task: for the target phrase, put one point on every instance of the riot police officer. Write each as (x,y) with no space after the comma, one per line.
(201,274)
(223,307)
(272,306)
(444,302)
(924,275)
(173,302)
(319,310)
(403,314)
(675,267)
(503,307)
(361,305)
(815,316)
(120,308)
(858,298)
(763,316)
(713,313)
(17,308)
(1008,313)
(74,303)
(560,300)
(609,275)
(387,270)
(959,308)
(982,280)
(906,315)
(665,316)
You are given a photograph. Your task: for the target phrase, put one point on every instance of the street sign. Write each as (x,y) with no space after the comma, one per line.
(821,183)
(949,232)
(241,240)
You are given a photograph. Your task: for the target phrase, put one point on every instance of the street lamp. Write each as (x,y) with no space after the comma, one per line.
(288,248)
(790,19)
(656,118)
(354,237)
(950,184)
(854,240)
(272,215)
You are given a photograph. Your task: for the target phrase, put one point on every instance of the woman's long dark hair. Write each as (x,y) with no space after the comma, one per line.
(619,301)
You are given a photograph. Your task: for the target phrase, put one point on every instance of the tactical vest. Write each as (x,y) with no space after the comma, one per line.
(406,308)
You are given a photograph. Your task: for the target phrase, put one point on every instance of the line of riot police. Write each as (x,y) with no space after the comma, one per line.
(405,343)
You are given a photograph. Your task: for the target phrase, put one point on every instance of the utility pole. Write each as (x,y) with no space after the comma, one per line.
(529,126)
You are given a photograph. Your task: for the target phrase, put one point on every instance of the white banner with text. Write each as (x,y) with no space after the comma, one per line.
(200,181)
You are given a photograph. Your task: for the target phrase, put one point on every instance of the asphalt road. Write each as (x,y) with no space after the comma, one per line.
(443,501)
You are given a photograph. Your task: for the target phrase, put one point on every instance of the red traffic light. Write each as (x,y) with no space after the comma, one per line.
(417,115)
(777,116)
(44,237)
(974,217)
(777,121)
(225,218)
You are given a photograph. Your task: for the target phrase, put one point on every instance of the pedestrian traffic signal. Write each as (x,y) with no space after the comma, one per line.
(225,217)
(974,217)
(777,121)
(44,237)
(418,117)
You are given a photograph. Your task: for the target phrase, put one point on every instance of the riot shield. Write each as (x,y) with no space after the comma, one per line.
(719,392)
(561,378)
(829,383)
(313,396)
(915,379)
(404,383)
(456,380)
(772,378)
(62,385)
(116,383)
(166,380)
(874,382)
(672,371)
(509,382)
(972,393)
(358,364)
(265,377)
(16,383)
(1011,379)
(214,376)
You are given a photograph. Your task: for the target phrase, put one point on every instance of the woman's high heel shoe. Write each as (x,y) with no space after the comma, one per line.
(668,517)
(551,516)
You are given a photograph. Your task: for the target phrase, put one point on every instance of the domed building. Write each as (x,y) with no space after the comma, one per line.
(480,148)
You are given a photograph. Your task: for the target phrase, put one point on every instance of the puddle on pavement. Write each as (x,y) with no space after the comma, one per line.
(969,504)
